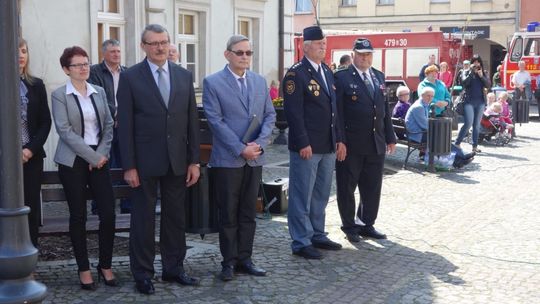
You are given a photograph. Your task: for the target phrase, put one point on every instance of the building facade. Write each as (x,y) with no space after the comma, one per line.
(200,28)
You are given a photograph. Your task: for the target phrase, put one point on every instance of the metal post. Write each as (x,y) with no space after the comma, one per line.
(18,257)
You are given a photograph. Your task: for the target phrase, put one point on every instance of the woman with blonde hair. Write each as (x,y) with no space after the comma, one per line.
(35,126)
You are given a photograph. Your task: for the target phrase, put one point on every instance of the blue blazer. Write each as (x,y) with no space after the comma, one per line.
(229,116)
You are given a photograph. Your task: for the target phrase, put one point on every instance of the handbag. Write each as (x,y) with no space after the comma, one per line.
(458,104)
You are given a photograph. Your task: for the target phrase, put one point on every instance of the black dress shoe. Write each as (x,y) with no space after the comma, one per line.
(183,279)
(352,237)
(227,273)
(251,269)
(309,252)
(326,244)
(369,231)
(145,286)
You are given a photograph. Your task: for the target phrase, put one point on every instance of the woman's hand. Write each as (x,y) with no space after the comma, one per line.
(26,155)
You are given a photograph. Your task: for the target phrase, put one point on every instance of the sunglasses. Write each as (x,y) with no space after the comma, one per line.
(241,53)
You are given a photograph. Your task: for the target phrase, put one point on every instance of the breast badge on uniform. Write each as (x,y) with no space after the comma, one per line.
(314,87)
(354,98)
(290,87)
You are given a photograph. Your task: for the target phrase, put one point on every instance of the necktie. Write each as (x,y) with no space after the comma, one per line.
(243,88)
(319,70)
(163,86)
(368,84)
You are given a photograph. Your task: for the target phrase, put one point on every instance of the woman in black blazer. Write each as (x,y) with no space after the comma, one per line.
(35,126)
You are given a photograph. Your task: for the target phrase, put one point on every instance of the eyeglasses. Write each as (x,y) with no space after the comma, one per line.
(80,66)
(157,43)
(241,53)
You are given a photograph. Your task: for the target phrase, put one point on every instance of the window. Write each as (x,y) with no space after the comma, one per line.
(385,2)
(517,49)
(244,28)
(250,27)
(532,47)
(303,6)
(188,43)
(110,24)
(348,2)
(440,1)
(109,6)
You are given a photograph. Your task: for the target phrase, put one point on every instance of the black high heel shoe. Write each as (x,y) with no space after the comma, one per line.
(88,286)
(111,282)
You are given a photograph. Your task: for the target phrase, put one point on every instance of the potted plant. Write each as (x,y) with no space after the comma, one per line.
(281,121)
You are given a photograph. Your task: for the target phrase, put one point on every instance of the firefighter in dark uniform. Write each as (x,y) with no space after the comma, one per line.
(310,108)
(366,128)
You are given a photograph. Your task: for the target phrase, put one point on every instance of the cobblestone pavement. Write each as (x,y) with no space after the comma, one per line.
(468,236)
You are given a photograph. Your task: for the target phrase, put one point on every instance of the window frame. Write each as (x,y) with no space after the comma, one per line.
(109,20)
(304,11)
(182,40)
(386,2)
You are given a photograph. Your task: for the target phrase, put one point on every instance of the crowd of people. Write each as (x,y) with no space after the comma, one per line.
(144,120)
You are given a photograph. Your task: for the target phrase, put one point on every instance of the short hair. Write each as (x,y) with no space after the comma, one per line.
(111,42)
(490,94)
(402,89)
(502,95)
(427,89)
(236,39)
(69,53)
(156,28)
(430,69)
(344,59)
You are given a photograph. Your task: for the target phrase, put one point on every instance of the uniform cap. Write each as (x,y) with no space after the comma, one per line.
(313,33)
(363,45)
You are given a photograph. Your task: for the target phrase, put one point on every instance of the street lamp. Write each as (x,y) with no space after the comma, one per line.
(18,257)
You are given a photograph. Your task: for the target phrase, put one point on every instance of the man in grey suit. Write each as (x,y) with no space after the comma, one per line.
(159,142)
(241,116)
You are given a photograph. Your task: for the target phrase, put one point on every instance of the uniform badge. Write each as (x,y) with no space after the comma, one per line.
(354,98)
(290,74)
(316,93)
(290,86)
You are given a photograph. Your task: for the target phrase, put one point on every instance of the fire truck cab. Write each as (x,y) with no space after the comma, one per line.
(525,45)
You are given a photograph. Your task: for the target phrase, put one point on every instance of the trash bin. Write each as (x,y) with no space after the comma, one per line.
(520,111)
(202,215)
(439,135)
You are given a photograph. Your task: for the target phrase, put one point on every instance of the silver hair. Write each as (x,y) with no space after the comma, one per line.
(235,39)
(402,89)
(307,42)
(427,89)
(111,42)
(156,28)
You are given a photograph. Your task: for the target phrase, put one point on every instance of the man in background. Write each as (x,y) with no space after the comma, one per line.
(106,75)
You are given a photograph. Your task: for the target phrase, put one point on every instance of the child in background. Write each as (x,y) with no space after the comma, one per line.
(505,113)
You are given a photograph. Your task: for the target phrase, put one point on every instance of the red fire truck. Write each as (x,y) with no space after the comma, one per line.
(400,55)
(525,45)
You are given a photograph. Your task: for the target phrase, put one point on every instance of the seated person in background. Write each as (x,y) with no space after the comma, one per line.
(505,114)
(490,99)
(442,96)
(402,106)
(416,119)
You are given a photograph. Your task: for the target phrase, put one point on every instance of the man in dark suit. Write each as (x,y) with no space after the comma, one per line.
(159,142)
(106,75)
(310,107)
(235,99)
(366,127)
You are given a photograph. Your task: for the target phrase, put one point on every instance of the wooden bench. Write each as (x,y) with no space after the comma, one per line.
(53,192)
(401,132)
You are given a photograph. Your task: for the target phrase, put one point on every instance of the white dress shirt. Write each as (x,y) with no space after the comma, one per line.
(91,127)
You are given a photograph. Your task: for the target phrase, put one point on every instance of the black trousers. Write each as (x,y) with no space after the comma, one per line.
(364,171)
(75,180)
(236,191)
(32,175)
(172,237)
